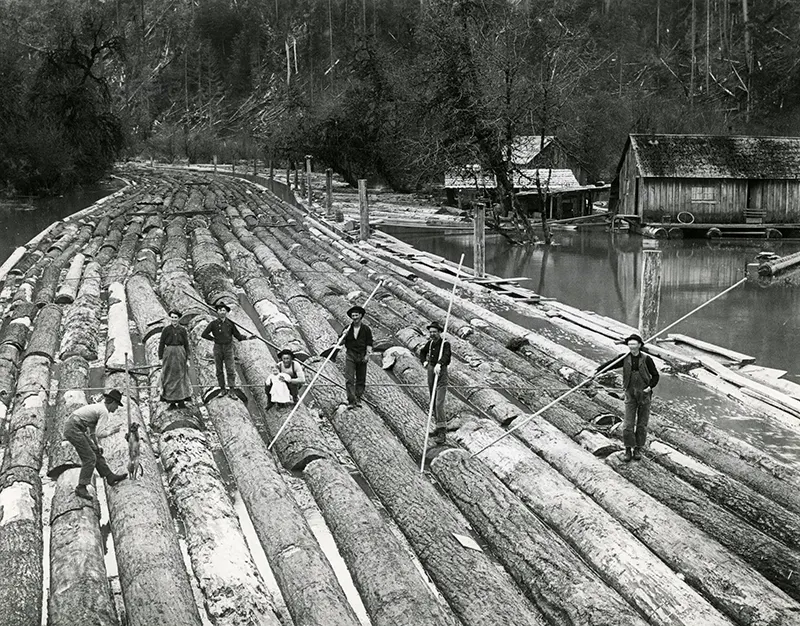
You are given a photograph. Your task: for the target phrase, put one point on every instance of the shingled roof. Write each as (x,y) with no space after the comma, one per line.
(708,156)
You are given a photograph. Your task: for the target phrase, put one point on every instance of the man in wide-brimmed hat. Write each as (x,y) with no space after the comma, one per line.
(435,356)
(639,377)
(358,348)
(222,331)
(288,366)
(81,431)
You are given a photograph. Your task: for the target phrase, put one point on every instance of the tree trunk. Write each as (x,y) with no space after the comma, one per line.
(306,580)
(46,333)
(149,315)
(119,349)
(79,592)
(73,379)
(706,565)
(80,320)
(567,591)
(769,557)
(21,547)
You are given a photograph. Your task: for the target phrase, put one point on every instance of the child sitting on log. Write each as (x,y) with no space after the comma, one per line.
(277,388)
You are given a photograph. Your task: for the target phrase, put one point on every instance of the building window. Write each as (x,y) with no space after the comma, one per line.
(704,193)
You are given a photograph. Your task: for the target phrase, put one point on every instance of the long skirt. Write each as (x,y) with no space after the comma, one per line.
(175,383)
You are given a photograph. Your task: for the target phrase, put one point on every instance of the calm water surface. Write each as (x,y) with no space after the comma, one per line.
(601,272)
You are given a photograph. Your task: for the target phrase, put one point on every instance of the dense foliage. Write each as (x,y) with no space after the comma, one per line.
(394,90)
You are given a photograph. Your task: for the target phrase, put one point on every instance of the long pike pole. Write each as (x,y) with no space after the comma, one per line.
(319,372)
(593,376)
(435,389)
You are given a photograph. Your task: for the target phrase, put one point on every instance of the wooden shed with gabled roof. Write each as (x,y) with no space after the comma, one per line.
(709,180)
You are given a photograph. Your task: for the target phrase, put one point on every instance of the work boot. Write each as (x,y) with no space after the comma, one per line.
(82,492)
(115,478)
(182,404)
(637,454)
(627,456)
(172,406)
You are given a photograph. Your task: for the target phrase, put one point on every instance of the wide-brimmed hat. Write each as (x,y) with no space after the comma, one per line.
(174,312)
(435,325)
(286,351)
(114,395)
(636,337)
(222,305)
(356,309)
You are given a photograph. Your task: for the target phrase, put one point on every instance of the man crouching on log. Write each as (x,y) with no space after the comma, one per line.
(639,377)
(81,431)
(358,347)
(222,331)
(435,356)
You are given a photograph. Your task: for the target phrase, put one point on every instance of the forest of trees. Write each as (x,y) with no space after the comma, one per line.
(395,90)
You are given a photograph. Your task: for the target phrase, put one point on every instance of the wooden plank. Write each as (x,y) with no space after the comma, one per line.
(731,355)
(496,281)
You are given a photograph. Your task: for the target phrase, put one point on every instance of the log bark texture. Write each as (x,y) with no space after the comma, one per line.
(46,333)
(119,348)
(73,379)
(80,320)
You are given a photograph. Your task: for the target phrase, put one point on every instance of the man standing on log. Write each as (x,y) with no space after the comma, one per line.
(222,331)
(435,356)
(297,377)
(639,377)
(173,350)
(81,431)
(358,348)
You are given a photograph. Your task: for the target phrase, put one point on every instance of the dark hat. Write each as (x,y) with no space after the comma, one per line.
(356,309)
(222,305)
(115,395)
(286,351)
(174,312)
(435,325)
(636,337)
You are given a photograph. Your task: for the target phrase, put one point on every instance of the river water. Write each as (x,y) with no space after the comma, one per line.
(601,272)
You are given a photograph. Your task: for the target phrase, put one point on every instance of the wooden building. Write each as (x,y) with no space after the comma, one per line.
(679,181)
(527,153)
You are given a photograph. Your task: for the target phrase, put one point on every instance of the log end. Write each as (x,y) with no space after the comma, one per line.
(64,298)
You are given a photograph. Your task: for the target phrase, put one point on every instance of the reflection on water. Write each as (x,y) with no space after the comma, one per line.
(22,219)
(600,272)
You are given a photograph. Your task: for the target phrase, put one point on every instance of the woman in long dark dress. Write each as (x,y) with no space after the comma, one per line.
(173,350)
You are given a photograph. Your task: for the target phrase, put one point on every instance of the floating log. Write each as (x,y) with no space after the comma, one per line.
(731,355)
(304,575)
(8,374)
(11,261)
(21,547)
(72,380)
(145,307)
(92,248)
(79,592)
(28,260)
(46,333)
(771,268)
(768,556)
(48,283)
(233,591)
(69,286)
(16,333)
(567,591)
(80,319)
(732,586)
(118,344)
(154,582)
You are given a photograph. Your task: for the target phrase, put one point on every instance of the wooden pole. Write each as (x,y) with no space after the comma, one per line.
(480,240)
(435,389)
(520,423)
(215,162)
(308,179)
(127,392)
(271,176)
(650,292)
(299,182)
(318,374)
(329,192)
(288,179)
(363,208)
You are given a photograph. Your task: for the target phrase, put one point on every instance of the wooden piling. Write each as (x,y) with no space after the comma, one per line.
(363,208)
(650,292)
(329,193)
(308,180)
(479,265)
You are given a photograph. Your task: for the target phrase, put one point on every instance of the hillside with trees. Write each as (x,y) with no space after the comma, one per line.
(397,91)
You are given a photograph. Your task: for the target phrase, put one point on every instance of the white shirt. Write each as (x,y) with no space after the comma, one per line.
(278,390)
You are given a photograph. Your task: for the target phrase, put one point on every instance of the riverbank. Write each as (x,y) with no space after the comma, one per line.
(702,531)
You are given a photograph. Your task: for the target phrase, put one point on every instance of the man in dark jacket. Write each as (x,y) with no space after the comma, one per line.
(358,347)
(222,331)
(639,377)
(435,356)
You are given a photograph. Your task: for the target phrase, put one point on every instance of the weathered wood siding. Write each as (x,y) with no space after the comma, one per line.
(725,202)
(780,198)
(555,156)
(627,185)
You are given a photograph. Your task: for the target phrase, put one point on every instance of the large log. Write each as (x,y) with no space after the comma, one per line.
(80,320)
(768,556)
(79,592)
(731,585)
(567,591)
(148,313)
(48,283)
(72,380)
(154,582)
(119,349)
(304,576)
(627,565)
(21,547)
(8,373)
(46,333)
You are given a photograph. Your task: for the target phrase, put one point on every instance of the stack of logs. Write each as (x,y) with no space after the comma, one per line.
(698,533)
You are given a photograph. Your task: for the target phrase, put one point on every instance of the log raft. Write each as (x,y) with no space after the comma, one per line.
(296,277)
